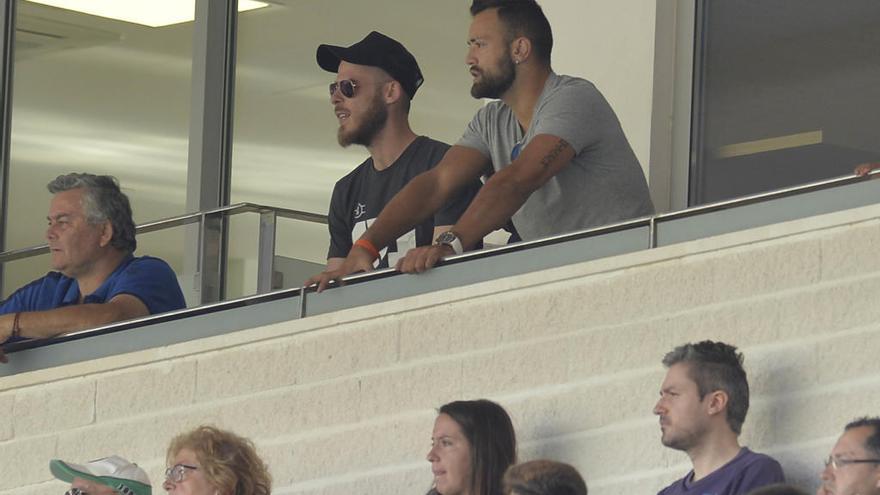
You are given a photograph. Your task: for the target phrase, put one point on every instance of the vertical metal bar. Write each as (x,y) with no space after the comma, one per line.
(302,301)
(652,233)
(212,257)
(7,64)
(210,145)
(696,181)
(266,252)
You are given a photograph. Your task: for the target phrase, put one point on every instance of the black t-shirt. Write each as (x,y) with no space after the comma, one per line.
(360,196)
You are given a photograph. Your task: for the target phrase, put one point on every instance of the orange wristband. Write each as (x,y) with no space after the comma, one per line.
(368,246)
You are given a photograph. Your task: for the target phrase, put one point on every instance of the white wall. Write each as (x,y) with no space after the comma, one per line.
(612,45)
(343,403)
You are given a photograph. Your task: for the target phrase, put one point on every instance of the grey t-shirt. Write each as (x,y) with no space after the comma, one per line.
(603,183)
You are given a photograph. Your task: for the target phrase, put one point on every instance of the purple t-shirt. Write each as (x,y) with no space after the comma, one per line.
(742,474)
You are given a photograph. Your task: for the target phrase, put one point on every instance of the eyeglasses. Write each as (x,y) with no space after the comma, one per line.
(177,472)
(345,86)
(74,491)
(839,463)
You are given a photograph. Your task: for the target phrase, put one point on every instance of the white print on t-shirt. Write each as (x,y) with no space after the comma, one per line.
(359,210)
(404,243)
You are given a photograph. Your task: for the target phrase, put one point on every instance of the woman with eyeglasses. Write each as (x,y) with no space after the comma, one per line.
(473,443)
(211,461)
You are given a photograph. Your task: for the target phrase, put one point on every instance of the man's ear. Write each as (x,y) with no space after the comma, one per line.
(392,92)
(520,49)
(106,233)
(717,402)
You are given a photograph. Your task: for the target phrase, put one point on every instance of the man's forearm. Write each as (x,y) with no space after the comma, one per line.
(409,207)
(490,210)
(54,322)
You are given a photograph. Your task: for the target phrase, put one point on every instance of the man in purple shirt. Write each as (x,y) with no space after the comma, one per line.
(703,404)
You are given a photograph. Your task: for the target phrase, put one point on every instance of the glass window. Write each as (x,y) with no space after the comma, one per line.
(93,94)
(785,93)
(285,151)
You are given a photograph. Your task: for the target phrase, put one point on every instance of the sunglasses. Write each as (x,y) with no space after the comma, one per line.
(345,86)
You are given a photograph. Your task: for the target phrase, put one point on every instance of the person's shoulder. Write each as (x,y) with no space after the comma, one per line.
(149,263)
(568,84)
(432,144)
(355,173)
(492,109)
(675,487)
(751,458)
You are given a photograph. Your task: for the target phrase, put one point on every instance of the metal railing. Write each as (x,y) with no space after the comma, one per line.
(384,285)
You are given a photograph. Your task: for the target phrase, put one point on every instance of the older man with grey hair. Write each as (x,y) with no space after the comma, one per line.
(98,280)
(853,467)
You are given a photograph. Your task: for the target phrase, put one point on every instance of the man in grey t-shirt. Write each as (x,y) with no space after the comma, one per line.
(556,155)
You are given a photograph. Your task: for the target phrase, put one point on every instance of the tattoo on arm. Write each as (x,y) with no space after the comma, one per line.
(551,157)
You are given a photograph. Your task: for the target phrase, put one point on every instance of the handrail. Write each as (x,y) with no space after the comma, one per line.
(181,220)
(650,221)
(649,224)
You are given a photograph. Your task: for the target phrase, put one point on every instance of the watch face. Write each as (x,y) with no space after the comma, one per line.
(446,237)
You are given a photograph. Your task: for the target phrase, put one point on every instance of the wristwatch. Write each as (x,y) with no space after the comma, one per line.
(451,239)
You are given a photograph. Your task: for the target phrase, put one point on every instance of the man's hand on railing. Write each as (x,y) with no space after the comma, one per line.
(420,259)
(358,260)
(866,168)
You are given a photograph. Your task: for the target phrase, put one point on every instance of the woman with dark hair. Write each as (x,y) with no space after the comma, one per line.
(211,461)
(473,443)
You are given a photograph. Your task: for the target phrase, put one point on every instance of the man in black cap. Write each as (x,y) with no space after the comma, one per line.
(376,80)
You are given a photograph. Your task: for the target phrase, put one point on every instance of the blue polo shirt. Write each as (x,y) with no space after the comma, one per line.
(149,279)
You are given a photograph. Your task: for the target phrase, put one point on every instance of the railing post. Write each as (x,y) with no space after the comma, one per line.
(7,64)
(652,233)
(211,258)
(266,252)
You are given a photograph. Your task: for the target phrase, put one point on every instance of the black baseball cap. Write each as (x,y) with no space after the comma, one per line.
(380,51)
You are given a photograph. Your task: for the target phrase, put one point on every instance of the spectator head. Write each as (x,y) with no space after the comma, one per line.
(107,476)
(211,461)
(543,477)
(705,388)
(102,201)
(778,489)
(376,78)
(473,443)
(854,464)
(521,19)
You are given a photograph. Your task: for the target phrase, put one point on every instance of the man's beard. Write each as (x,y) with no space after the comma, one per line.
(374,119)
(495,85)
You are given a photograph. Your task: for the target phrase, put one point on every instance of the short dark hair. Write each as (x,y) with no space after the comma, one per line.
(522,18)
(489,431)
(872,443)
(102,201)
(716,366)
(543,477)
(778,489)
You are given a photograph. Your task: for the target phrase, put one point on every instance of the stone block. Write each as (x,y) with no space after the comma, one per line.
(361,448)
(26,462)
(418,387)
(851,251)
(140,439)
(55,407)
(517,367)
(348,350)
(145,389)
(292,411)
(7,400)
(445,330)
